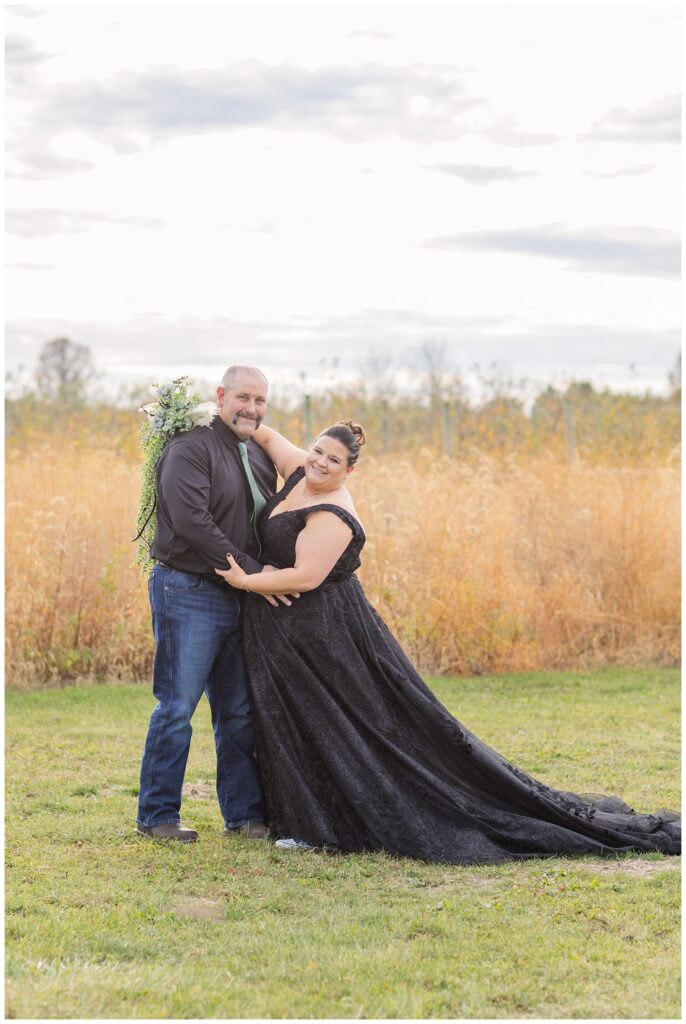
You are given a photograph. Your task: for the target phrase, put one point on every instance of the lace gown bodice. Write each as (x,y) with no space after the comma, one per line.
(279,532)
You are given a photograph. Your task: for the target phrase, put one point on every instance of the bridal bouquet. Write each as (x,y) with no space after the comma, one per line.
(176,409)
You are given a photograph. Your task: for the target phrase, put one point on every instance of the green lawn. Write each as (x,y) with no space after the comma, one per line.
(102,923)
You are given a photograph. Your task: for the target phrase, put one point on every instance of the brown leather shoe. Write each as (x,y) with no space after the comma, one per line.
(251,830)
(173,830)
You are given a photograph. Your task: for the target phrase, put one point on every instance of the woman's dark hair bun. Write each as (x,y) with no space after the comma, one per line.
(357,430)
(349,434)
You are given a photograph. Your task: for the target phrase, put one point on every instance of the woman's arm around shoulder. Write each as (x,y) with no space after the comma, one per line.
(286,456)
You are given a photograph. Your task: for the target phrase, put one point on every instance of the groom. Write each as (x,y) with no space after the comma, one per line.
(211,485)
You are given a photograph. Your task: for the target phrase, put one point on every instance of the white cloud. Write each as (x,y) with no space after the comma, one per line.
(482,174)
(636,251)
(659,121)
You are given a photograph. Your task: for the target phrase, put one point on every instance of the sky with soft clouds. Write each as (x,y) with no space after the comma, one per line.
(302,186)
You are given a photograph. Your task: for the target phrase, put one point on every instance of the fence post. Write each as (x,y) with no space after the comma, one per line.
(569,428)
(447,436)
(385,431)
(308,421)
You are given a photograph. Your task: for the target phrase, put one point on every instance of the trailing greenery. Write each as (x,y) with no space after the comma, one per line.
(175,410)
(102,923)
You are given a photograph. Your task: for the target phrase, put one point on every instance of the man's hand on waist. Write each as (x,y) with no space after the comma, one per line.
(273,599)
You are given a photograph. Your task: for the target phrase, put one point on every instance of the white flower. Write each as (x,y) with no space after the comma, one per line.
(150,409)
(202,415)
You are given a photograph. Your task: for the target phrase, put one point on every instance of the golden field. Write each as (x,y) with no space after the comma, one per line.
(477,566)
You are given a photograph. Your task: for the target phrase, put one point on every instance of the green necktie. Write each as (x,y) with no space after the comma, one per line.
(258,498)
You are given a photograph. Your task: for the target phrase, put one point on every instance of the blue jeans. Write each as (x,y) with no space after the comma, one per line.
(198,649)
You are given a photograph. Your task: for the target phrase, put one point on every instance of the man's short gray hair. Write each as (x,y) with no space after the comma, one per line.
(229,377)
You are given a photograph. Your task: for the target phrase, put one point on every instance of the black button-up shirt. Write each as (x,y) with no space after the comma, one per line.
(204,502)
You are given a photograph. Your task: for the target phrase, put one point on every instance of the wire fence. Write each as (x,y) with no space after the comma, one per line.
(577,424)
(595,426)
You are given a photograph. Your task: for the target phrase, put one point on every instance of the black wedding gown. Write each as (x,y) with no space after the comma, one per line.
(356,753)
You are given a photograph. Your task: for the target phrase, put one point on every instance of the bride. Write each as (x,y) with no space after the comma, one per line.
(355,751)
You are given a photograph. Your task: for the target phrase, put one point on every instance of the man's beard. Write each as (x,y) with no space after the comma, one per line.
(241,416)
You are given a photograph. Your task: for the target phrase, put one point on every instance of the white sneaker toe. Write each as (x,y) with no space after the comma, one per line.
(293,844)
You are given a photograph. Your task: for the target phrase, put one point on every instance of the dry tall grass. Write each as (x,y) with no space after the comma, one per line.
(75,607)
(493,568)
(476,568)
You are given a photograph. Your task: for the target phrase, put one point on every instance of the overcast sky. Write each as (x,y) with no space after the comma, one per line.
(301,186)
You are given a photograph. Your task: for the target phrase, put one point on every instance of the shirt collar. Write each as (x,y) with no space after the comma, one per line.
(226,433)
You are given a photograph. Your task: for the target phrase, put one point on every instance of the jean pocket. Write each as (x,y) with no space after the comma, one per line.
(178,580)
(236,602)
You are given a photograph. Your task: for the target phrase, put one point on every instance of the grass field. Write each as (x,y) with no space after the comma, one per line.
(102,923)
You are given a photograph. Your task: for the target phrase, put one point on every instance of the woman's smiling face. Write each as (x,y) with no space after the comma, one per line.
(326,463)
